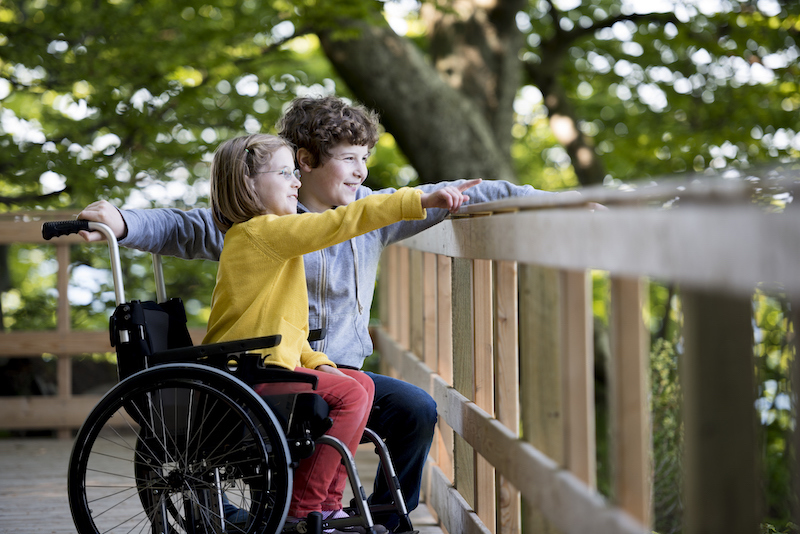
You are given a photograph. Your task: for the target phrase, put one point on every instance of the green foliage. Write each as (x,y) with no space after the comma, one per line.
(126,100)
(665,403)
(774,334)
(30,301)
(134,95)
(774,350)
(790,528)
(663,93)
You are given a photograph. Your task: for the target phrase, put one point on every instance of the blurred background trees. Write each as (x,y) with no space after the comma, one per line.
(126,100)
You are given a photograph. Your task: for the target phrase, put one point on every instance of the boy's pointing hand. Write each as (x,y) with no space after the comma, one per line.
(450,197)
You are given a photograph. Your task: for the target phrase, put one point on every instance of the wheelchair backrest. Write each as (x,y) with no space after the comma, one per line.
(140,329)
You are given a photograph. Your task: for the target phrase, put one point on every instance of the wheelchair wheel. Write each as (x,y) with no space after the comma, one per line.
(180,448)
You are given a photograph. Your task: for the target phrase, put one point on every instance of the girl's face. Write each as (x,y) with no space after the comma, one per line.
(335,182)
(276,183)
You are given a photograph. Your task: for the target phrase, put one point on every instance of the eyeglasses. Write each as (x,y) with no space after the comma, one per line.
(286,174)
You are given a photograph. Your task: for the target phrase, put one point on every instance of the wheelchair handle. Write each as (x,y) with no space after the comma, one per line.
(53,229)
(61,228)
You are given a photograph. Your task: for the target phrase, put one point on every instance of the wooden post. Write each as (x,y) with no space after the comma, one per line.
(722,486)
(506,335)
(63,362)
(577,339)
(629,399)
(483,344)
(541,397)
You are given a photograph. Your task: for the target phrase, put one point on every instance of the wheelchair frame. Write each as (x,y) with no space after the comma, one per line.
(183,444)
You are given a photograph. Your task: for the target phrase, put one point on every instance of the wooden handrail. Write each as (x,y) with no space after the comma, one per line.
(491,313)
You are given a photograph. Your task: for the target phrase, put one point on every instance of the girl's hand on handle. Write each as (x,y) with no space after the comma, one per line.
(104,212)
(450,197)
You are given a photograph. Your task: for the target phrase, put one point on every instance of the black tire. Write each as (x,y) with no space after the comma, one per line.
(167,446)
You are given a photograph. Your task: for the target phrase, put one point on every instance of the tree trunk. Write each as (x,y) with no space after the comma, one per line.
(450,123)
(440,131)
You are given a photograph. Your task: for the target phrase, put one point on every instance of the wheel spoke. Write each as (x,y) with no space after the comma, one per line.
(163,447)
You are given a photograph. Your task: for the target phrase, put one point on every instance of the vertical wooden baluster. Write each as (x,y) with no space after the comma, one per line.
(403,300)
(416,311)
(507,382)
(483,344)
(389,313)
(577,339)
(541,397)
(463,371)
(444,335)
(430,319)
(629,400)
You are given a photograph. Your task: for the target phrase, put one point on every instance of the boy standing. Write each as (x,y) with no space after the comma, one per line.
(333,141)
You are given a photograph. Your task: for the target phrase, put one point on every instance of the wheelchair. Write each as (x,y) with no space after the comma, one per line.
(183,444)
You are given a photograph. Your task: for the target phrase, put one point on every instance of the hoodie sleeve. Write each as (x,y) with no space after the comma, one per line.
(485,191)
(189,234)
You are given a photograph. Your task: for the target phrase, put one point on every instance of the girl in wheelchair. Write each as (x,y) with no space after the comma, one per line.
(261,287)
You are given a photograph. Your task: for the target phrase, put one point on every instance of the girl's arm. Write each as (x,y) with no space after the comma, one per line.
(288,236)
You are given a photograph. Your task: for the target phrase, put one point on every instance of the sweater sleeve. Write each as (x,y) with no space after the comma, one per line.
(189,234)
(295,235)
(311,359)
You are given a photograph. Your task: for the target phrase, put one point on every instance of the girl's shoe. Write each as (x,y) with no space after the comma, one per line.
(355,529)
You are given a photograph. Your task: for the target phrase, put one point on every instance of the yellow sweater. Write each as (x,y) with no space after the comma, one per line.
(261,282)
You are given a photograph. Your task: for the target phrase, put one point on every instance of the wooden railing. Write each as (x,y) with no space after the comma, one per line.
(63,412)
(491,313)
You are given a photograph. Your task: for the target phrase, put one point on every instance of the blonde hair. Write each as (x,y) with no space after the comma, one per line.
(233,199)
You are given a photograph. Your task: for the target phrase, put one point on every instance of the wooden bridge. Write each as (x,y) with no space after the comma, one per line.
(492,313)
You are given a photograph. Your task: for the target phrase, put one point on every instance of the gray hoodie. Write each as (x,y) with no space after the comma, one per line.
(340,279)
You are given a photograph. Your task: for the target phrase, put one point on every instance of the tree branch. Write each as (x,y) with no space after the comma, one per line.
(567,38)
(30,198)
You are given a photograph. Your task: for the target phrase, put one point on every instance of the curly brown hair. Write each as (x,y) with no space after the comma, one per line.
(318,124)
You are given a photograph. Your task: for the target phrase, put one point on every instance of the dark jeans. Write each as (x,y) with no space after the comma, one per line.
(405,419)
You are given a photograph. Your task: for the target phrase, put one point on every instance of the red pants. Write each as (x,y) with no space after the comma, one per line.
(320,479)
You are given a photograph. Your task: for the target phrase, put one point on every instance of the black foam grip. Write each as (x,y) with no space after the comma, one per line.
(58,228)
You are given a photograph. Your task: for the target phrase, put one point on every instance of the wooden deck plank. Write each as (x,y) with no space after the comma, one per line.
(33,487)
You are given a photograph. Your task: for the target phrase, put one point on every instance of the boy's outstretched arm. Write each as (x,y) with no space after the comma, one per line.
(189,234)
(450,197)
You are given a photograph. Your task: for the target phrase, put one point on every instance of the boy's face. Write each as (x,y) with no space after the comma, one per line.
(276,185)
(335,182)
